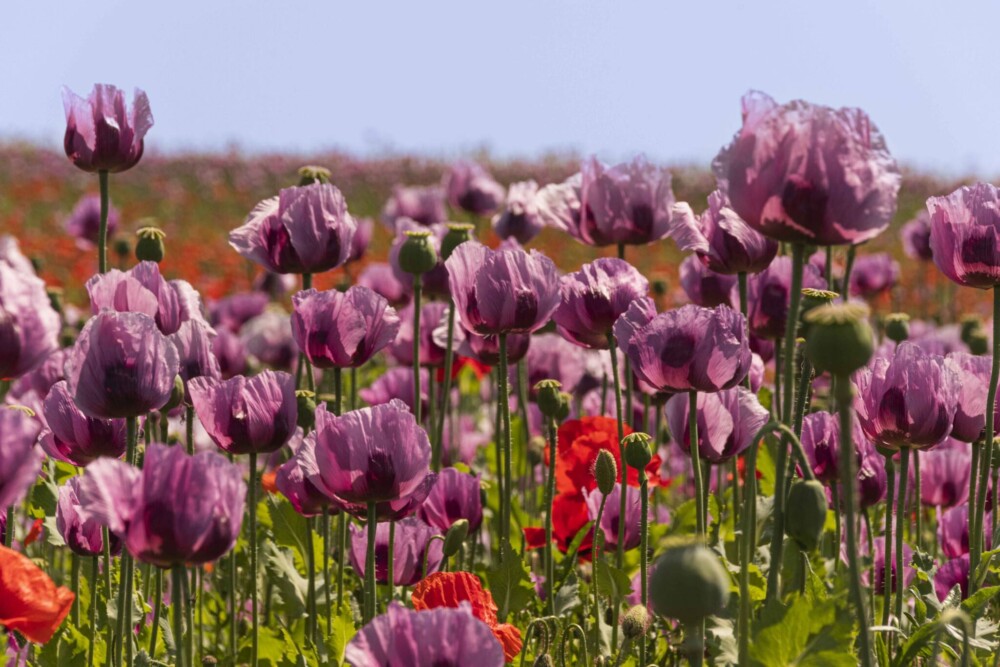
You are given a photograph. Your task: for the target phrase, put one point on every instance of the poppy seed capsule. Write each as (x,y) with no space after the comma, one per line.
(688,583)
(637,453)
(149,246)
(605,471)
(306,401)
(840,338)
(897,327)
(311,173)
(455,537)
(813,298)
(806,513)
(547,396)
(417,256)
(458,233)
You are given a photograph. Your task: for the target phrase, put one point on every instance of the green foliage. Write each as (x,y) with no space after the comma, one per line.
(510,585)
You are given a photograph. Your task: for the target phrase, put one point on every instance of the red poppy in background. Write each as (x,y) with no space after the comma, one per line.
(569,516)
(580,440)
(450,589)
(34,533)
(478,368)
(30,603)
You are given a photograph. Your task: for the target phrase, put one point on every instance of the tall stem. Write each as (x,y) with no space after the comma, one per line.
(643,551)
(787,403)
(918,515)
(504,405)
(341,555)
(189,428)
(390,578)
(326,570)
(749,543)
(449,360)
(695,452)
(311,579)
(157,604)
(598,556)
(619,413)
(976,548)
(417,290)
(890,477)
(848,472)
(94,578)
(369,611)
(550,492)
(904,470)
(177,599)
(102,231)
(255,627)
(8,532)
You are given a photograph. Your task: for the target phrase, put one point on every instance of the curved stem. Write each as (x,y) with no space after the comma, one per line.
(643,553)
(550,492)
(616,379)
(102,230)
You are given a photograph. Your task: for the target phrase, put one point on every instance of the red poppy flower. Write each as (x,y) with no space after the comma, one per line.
(34,533)
(269,481)
(480,369)
(30,603)
(569,515)
(449,589)
(580,441)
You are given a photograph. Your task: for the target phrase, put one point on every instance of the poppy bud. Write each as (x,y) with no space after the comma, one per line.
(547,396)
(176,395)
(806,513)
(122,248)
(970,325)
(454,538)
(635,622)
(458,233)
(306,401)
(310,174)
(417,256)
(840,339)
(688,583)
(605,472)
(659,287)
(897,327)
(979,342)
(637,452)
(149,246)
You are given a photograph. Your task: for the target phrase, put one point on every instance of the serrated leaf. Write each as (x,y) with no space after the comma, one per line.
(292,587)
(510,585)
(568,596)
(809,631)
(612,583)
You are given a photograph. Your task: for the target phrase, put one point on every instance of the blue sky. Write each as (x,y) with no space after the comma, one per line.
(518,77)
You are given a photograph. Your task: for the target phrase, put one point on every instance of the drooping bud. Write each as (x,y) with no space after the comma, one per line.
(311,173)
(806,513)
(635,622)
(458,233)
(455,537)
(688,583)
(637,450)
(149,245)
(605,471)
(307,408)
(897,327)
(417,256)
(840,338)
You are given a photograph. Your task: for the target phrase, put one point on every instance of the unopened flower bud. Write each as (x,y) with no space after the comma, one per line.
(458,233)
(840,338)
(307,408)
(605,472)
(547,396)
(897,327)
(637,452)
(688,583)
(176,395)
(311,173)
(455,537)
(635,622)
(149,244)
(979,342)
(806,513)
(417,256)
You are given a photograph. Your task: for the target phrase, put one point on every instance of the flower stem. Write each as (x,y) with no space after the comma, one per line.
(918,515)
(326,570)
(94,577)
(341,555)
(369,611)
(189,425)
(695,452)
(976,548)
(177,599)
(890,477)
(311,577)
(904,470)
(787,403)
(643,553)
(449,360)
(749,543)
(157,603)
(8,533)
(102,231)
(616,378)
(504,405)
(598,558)
(550,491)
(255,626)
(390,578)
(417,290)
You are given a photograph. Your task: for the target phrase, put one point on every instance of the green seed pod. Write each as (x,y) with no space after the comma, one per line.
(635,622)
(455,537)
(897,327)
(149,244)
(310,174)
(840,338)
(806,513)
(605,471)
(458,233)
(417,256)
(547,397)
(307,408)
(979,342)
(970,324)
(637,451)
(688,583)
(812,299)
(176,395)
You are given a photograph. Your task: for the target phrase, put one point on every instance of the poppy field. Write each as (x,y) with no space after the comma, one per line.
(293,411)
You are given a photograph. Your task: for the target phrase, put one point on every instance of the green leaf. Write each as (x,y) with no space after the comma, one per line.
(44,495)
(510,585)
(289,527)
(568,596)
(292,588)
(612,583)
(343,631)
(812,630)
(976,603)
(68,648)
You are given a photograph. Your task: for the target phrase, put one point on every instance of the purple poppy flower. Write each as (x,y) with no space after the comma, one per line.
(142,289)
(723,242)
(434,282)
(917,237)
(821,442)
(965,235)
(462,439)
(380,278)
(84,222)
(20,460)
(872,480)
(768,296)
(177,510)
(502,291)
(243,416)
(370,455)
(231,354)
(551,356)
(703,286)
(433,316)
(953,531)
(412,549)
(432,638)
(194,342)
(304,229)
(593,298)
(29,327)
(82,536)
(388,510)
(362,239)
(470,188)
(293,477)
(973,374)
(873,275)
(456,495)
(484,349)
(75,438)
(342,329)
(42,377)
(422,204)
(686,349)
(907,399)
(396,384)
(121,366)
(727,422)
(101,133)
(944,474)
(591,405)
(519,219)
(809,174)
(235,310)
(611,519)
(954,572)
(268,337)
(940,340)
